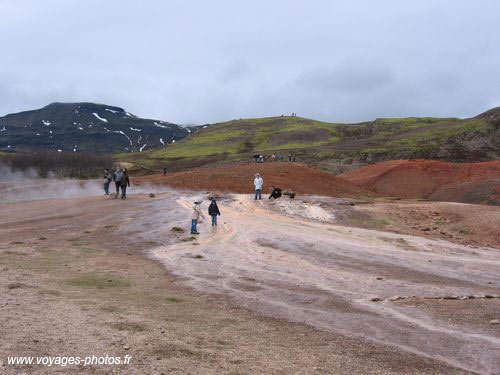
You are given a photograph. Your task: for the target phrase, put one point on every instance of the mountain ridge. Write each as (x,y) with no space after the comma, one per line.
(85,126)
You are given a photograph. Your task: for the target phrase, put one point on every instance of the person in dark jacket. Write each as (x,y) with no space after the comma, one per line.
(275,192)
(107,180)
(124,182)
(213,210)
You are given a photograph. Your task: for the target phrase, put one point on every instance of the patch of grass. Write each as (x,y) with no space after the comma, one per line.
(369,223)
(466,231)
(177,230)
(173,300)
(98,281)
(88,250)
(192,238)
(129,326)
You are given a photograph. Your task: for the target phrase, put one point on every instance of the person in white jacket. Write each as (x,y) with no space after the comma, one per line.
(195,216)
(258,182)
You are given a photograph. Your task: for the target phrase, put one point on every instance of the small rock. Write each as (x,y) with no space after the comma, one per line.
(450,297)
(158,358)
(42,238)
(495,321)
(426,229)
(395,298)
(36,340)
(152,195)
(379,278)
(375,299)
(126,347)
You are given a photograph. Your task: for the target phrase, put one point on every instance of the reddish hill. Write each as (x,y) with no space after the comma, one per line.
(431,179)
(238,178)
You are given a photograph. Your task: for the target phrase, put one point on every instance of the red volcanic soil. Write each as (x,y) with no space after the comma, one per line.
(238,178)
(431,179)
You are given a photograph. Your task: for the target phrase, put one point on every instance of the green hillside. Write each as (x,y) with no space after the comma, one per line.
(453,139)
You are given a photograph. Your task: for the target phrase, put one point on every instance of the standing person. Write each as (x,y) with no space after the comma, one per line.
(124,182)
(258,183)
(213,210)
(289,157)
(117,178)
(195,217)
(164,171)
(107,180)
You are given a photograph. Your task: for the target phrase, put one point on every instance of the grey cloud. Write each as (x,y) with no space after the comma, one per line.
(198,61)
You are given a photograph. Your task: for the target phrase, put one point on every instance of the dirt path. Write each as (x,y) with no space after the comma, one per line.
(328,276)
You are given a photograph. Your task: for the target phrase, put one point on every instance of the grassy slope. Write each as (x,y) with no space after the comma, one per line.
(238,139)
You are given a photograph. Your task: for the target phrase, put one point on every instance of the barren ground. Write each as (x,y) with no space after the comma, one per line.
(78,279)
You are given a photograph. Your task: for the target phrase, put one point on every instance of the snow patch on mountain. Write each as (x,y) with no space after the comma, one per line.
(161,141)
(110,110)
(142,148)
(161,126)
(120,132)
(99,117)
(136,130)
(46,123)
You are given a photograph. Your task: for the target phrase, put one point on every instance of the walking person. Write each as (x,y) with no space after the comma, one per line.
(124,182)
(195,216)
(258,183)
(107,181)
(213,211)
(117,178)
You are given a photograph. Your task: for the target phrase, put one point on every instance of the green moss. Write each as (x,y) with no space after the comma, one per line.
(97,281)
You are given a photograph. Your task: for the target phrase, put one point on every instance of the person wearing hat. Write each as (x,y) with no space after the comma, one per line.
(258,183)
(195,216)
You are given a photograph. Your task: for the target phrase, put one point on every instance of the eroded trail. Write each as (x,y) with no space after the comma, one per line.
(327,276)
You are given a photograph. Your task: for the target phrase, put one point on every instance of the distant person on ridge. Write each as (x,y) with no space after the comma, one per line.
(258,183)
(213,211)
(275,193)
(107,181)
(124,182)
(117,178)
(195,216)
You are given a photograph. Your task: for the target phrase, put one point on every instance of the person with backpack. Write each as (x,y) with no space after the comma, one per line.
(195,216)
(213,211)
(107,181)
(124,182)
(258,183)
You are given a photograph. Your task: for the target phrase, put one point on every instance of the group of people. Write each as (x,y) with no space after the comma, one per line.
(120,178)
(259,183)
(261,158)
(213,209)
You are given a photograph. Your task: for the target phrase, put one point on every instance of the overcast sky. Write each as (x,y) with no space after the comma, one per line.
(190,61)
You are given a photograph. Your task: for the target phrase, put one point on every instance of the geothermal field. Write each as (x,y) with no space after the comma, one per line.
(340,279)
